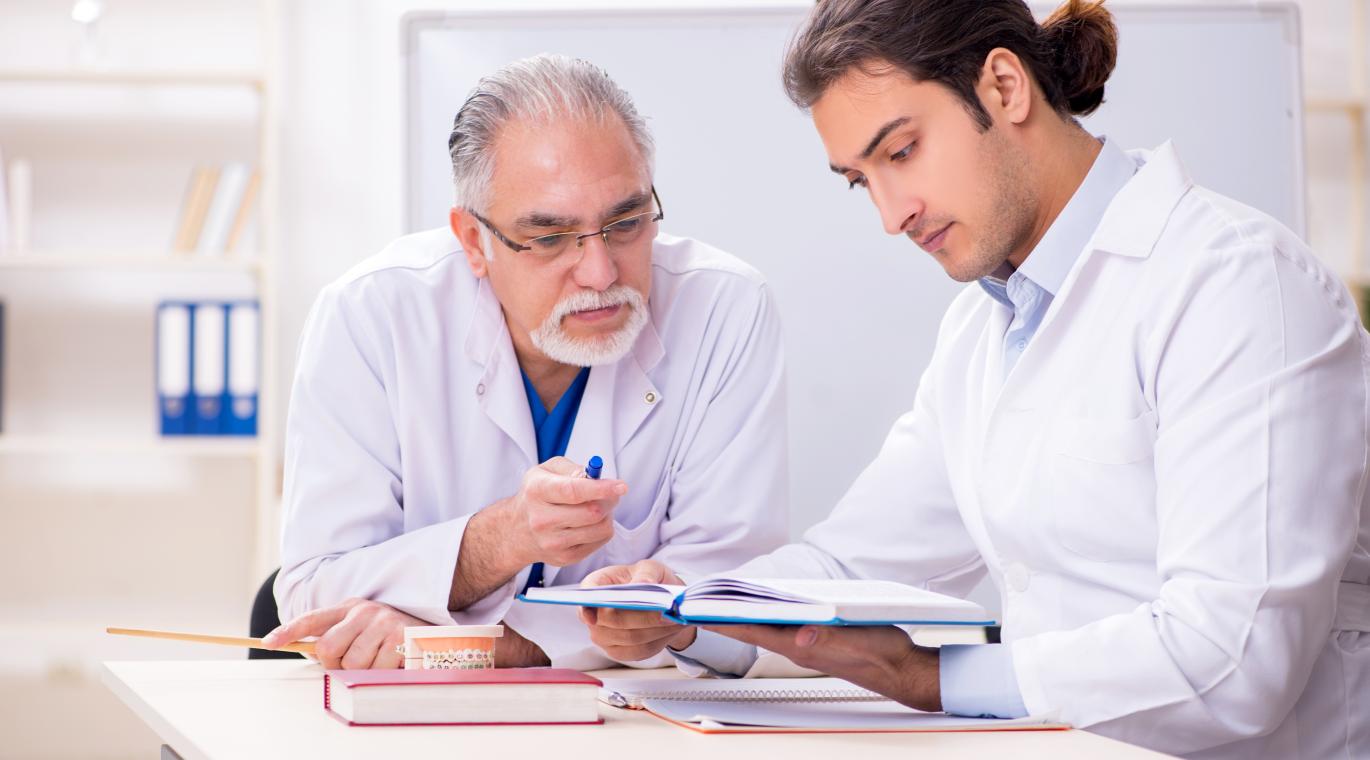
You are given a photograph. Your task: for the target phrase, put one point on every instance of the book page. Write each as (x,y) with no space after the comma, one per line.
(825,716)
(657,596)
(824,601)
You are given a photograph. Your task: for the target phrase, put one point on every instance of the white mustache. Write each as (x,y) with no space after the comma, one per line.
(590,300)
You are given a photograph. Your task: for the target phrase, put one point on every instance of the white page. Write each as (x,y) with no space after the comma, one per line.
(824,715)
(658,596)
(820,600)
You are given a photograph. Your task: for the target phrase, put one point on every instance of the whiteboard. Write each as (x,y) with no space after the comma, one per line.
(740,167)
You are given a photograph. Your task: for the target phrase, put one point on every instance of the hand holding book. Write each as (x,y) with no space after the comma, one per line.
(632,635)
(882,659)
(630,610)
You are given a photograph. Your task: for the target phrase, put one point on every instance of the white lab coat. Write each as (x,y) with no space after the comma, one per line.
(1168,488)
(408,415)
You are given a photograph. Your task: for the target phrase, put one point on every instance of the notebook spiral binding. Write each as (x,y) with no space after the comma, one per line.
(750,695)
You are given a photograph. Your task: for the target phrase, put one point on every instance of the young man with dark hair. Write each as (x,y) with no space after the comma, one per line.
(1146,421)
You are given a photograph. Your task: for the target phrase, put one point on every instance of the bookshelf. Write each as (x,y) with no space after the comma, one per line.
(250,264)
(1352,109)
(123,526)
(206,446)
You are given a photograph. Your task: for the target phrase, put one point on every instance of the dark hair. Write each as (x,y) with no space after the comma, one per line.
(1070,55)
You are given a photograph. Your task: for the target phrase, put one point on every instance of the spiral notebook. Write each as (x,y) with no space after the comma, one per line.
(788,705)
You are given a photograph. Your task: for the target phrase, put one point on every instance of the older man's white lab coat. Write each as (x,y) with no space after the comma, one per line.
(1168,488)
(409,414)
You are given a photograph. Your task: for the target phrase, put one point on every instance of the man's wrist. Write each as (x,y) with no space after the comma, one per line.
(498,526)
(917,678)
(683,640)
(514,651)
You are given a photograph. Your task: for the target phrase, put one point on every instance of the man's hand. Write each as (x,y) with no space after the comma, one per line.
(558,517)
(514,651)
(880,658)
(354,635)
(631,635)
(561,517)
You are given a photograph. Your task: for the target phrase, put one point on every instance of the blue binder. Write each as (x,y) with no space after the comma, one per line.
(208,366)
(244,356)
(173,367)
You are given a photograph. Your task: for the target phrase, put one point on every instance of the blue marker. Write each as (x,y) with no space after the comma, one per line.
(593,469)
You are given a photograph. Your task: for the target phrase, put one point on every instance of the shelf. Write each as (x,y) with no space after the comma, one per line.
(200,446)
(132,261)
(134,78)
(1345,105)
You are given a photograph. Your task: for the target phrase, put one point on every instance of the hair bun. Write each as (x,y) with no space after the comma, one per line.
(1082,41)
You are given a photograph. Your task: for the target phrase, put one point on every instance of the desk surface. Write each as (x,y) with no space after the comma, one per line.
(274,708)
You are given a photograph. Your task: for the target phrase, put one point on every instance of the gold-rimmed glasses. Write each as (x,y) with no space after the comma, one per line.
(617,235)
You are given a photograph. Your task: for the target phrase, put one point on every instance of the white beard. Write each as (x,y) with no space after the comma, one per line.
(553,341)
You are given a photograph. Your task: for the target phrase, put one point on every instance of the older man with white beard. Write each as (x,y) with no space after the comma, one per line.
(452,389)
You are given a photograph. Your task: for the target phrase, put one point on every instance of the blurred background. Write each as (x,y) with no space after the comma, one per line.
(236,156)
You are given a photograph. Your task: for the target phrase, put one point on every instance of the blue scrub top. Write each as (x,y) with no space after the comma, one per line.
(553,431)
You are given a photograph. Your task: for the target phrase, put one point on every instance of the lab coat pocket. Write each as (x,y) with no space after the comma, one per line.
(636,535)
(1103,486)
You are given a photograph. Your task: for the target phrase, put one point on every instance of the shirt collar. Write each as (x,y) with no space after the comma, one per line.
(1051,260)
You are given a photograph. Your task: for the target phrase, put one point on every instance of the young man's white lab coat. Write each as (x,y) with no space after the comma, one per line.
(1168,488)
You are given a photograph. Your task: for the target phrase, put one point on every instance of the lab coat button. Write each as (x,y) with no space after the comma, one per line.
(480,389)
(650,397)
(1017,578)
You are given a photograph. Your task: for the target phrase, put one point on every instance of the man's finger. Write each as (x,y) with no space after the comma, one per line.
(367,647)
(312,623)
(618,618)
(595,536)
(776,638)
(580,515)
(607,575)
(335,643)
(649,571)
(625,637)
(564,489)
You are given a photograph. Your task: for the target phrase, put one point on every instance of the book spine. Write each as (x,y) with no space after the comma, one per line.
(21,204)
(249,201)
(196,207)
(223,207)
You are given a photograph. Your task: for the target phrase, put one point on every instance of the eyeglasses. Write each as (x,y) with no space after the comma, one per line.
(617,235)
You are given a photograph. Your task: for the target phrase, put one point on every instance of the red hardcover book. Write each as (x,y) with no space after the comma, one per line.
(461,697)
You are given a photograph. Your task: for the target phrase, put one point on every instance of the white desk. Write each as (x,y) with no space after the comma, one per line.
(274,708)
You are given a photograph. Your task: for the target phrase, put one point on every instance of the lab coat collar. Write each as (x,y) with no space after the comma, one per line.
(1130,227)
(618,397)
(1140,211)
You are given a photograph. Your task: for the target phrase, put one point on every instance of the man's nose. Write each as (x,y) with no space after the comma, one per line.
(596,268)
(898,209)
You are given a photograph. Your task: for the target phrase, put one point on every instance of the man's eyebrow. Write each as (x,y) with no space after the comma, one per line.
(546,220)
(880,135)
(628,204)
(884,132)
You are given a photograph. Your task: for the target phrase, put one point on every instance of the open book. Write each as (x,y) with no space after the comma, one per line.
(788,705)
(778,601)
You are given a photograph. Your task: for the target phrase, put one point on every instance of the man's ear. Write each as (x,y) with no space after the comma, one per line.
(1005,87)
(467,230)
